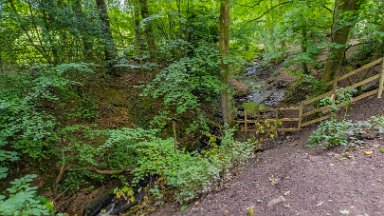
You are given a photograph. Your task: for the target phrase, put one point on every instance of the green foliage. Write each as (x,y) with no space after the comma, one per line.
(23,200)
(185,85)
(149,156)
(177,167)
(25,121)
(122,148)
(304,85)
(343,97)
(125,192)
(39,106)
(377,123)
(252,108)
(5,157)
(329,134)
(333,133)
(313,83)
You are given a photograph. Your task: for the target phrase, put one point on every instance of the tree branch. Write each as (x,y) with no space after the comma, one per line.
(248,6)
(269,10)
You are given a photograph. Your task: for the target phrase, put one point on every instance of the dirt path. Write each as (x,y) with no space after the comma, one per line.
(307,181)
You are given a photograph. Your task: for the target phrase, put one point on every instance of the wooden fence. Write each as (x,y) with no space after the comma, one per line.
(294,118)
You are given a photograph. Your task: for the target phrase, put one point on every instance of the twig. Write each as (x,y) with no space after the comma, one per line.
(61,173)
(269,10)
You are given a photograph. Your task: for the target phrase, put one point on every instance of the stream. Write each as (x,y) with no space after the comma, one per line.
(264,87)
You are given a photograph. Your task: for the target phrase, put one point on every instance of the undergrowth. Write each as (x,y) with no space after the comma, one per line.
(333,133)
(151,157)
(47,116)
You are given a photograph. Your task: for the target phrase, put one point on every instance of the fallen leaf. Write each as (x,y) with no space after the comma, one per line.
(287,205)
(382,150)
(251,211)
(368,152)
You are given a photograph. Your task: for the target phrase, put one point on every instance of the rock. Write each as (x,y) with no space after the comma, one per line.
(276,201)
(287,193)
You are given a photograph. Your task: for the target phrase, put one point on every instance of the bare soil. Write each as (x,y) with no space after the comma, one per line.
(312,182)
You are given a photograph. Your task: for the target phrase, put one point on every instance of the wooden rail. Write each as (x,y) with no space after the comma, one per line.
(308,112)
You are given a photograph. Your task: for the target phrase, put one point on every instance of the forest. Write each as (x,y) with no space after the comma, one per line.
(148,107)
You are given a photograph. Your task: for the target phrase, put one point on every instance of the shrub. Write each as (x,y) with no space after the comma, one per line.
(378,124)
(5,157)
(188,174)
(333,133)
(27,123)
(23,200)
(186,85)
(329,134)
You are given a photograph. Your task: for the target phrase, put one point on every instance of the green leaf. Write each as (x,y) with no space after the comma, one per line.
(3,172)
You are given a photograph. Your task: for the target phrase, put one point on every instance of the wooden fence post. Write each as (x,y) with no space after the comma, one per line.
(300,116)
(277,117)
(245,121)
(381,82)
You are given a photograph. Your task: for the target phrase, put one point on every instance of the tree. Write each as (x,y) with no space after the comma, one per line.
(79,17)
(136,27)
(148,30)
(345,17)
(110,52)
(226,99)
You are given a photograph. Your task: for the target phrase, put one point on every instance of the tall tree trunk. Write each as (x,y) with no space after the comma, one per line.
(136,28)
(109,49)
(226,99)
(344,19)
(79,16)
(148,31)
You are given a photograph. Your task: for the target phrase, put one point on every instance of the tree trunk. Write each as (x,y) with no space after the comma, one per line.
(148,31)
(226,99)
(79,16)
(136,28)
(344,19)
(109,49)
